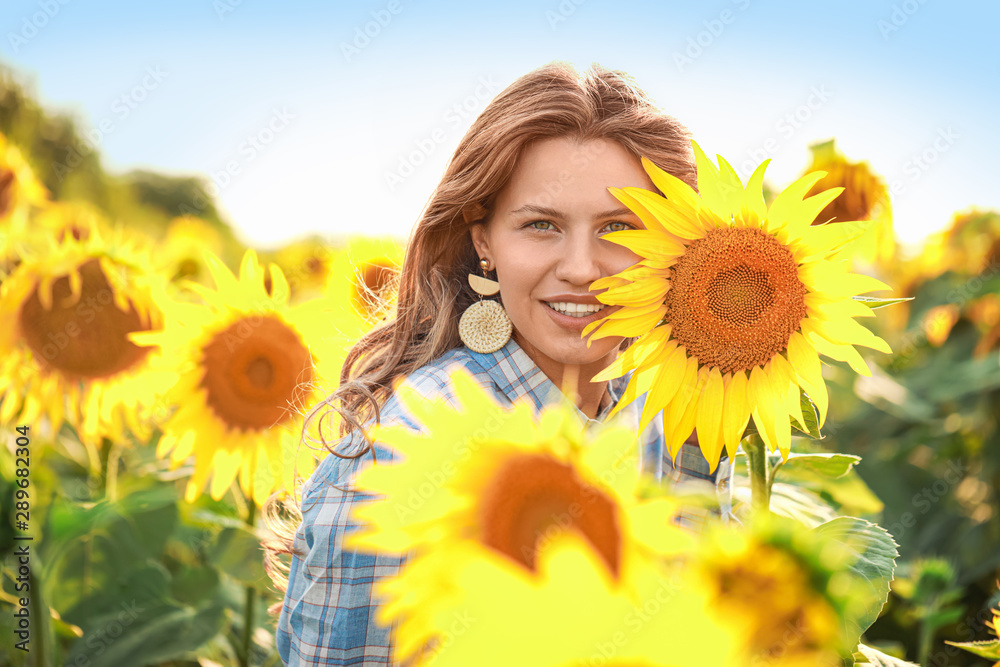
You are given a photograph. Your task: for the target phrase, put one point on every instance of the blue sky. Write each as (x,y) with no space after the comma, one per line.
(309,125)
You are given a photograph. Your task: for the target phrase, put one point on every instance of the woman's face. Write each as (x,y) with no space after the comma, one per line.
(545,238)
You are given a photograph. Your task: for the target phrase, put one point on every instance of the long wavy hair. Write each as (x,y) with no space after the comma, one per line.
(555,100)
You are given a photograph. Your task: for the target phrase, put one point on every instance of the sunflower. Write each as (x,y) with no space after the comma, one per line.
(19,189)
(306,265)
(865,197)
(241,368)
(488,487)
(184,243)
(785,587)
(66,313)
(970,245)
(366,273)
(733,303)
(490,611)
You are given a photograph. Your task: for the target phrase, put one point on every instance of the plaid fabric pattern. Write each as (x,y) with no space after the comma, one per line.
(328,614)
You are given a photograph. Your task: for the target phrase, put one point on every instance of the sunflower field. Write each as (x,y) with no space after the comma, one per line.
(155,374)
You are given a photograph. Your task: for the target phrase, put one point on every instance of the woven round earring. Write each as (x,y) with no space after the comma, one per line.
(484,326)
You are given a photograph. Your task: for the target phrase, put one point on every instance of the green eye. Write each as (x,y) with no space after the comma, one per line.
(624,226)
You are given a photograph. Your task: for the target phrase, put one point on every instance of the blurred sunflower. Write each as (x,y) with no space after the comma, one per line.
(242,367)
(306,265)
(970,245)
(865,197)
(784,587)
(75,218)
(366,274)
(734,302)
(499,497)
(184,244)
(66,313)
(19,189)
(490,611)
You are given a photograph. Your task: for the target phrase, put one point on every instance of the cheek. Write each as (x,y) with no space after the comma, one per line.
(621,258)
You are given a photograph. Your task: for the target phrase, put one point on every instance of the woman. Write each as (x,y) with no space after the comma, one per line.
(523,201)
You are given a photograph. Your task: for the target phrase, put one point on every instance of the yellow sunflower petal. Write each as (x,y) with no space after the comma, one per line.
(736,415)
(667,215)
(673,188)
(709,418)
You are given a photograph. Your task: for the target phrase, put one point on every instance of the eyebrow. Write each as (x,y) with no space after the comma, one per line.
(552,213)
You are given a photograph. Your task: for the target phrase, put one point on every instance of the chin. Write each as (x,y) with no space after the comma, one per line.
(577,352)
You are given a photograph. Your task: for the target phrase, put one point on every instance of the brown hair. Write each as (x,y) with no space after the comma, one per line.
(552,101)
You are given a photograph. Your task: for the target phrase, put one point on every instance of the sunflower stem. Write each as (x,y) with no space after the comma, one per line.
(757,463)
(251,599)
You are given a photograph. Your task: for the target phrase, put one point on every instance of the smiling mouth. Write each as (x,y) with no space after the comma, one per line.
(575,309)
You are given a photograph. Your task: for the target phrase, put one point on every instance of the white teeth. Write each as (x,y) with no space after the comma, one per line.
(575,309)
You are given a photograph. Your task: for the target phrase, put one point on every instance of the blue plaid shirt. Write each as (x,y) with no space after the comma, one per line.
(328,615)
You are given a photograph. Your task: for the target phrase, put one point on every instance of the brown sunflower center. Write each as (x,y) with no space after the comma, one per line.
(533,498)
(83,338)
(735,298)
(256,373)
(6,190)
(375,280)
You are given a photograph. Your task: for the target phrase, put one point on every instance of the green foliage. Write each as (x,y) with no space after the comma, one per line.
(870,571)
(926,423)
(141,579)
(874,302)
(984,649)
(70,168)
(866,655)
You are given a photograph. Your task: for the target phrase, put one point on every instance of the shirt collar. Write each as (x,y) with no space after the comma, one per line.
(520,378)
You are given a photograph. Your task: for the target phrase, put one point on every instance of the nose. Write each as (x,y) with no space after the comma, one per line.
(580,260)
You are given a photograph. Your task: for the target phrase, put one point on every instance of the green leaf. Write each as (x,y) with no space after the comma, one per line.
(866,655)
(237,552)
(832,477)
(810,414)
(194,585)
(827,466)
(874,302)
(147,635)
(984,649)
(874,553)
